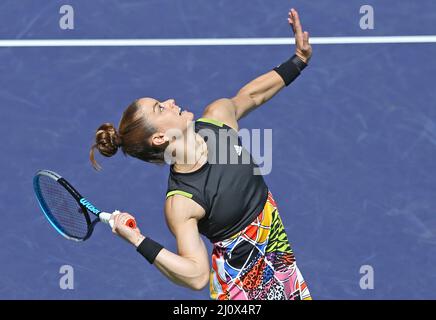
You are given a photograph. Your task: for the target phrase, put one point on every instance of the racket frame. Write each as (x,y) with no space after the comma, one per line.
(86,208)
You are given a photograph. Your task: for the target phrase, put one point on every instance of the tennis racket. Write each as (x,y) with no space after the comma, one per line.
(66,210)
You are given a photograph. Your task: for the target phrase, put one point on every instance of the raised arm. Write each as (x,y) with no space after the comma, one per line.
(190,266)
(264,87)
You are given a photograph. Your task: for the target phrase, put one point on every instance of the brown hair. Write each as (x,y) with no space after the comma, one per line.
(132,138)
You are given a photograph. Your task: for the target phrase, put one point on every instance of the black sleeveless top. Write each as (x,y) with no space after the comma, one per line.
(225,186)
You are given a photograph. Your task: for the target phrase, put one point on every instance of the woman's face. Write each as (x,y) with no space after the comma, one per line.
(165,115)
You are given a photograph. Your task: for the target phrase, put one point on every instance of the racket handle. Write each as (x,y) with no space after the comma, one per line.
(106,218)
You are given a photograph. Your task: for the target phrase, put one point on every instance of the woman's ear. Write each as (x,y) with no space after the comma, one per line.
(159,139)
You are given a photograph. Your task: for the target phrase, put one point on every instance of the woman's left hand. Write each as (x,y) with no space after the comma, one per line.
(132,235)
(304,49)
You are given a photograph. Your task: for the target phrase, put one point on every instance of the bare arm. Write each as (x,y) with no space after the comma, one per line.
(190,266)
(261,89)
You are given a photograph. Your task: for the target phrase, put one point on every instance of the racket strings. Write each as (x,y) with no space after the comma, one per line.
(64,210)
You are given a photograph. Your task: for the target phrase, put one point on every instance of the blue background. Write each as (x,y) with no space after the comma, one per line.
(354,139)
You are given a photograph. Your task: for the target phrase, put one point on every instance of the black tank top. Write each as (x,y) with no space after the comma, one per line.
(229,191)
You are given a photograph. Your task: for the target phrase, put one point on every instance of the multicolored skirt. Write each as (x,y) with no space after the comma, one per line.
(257,263)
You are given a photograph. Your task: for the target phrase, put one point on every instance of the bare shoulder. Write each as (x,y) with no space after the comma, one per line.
(180,209)
(222,110)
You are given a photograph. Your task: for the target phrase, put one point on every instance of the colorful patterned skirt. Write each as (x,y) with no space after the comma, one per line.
(257,263)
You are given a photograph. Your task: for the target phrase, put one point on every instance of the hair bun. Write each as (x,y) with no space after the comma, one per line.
(107,140)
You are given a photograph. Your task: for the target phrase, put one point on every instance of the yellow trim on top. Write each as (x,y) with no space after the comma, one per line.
(179,192)
(212,121)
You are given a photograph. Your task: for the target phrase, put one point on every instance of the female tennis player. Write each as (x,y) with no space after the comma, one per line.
(227,203)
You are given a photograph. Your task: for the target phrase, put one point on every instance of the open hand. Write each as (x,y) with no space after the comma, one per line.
(304,49)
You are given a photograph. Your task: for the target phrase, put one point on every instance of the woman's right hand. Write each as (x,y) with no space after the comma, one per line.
(131,235)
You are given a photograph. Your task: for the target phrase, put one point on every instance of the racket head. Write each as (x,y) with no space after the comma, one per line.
(59,202)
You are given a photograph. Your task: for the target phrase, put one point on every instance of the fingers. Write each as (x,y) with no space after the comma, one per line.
(294,21)
(291,21)
(301,38)
(306,39)
(120,220)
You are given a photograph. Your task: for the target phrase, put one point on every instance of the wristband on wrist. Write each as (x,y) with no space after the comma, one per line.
(149,249)
(291,69)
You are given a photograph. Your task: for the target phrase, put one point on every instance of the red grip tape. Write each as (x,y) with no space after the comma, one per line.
(131,223)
